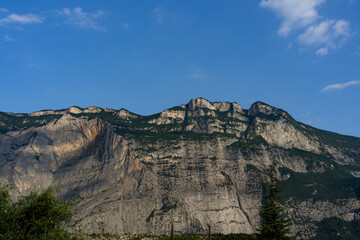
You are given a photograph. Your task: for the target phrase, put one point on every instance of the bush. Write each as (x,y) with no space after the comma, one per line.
(40,215)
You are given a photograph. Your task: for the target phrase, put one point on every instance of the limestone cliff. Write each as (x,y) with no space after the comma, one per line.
(195,164)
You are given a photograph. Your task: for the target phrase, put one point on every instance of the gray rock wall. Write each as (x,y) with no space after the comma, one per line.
(124,184)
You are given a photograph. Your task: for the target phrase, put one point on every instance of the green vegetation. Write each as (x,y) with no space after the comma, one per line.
(334,183)
(172,232)
(334,139)
(269,117)
(215,236)
(40,215)
(337,229)
(139,129)
(313,160)
(250,167)
(248,145)
(274,224)
(352,144)
(9,122)
(330,138)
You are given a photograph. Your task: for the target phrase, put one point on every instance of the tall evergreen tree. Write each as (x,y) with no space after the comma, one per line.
(172,232)
(274,223)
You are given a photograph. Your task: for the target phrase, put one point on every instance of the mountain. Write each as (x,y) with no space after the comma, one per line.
(195,164)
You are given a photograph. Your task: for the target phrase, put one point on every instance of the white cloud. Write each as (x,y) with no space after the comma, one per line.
(357,52)
(21,19)
(78,17)
(317,34)
(303,15)
(197,75)
(8,39)
(294,13)
(328,33)
(322,51)
(340,86)
(158,13)
(3,10)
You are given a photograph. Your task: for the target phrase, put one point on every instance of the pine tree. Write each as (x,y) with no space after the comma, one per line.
(274,223)
(172,232)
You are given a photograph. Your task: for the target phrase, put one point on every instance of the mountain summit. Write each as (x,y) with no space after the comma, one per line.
(195,164)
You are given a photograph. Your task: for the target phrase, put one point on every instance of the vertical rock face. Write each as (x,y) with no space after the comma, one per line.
(196,164)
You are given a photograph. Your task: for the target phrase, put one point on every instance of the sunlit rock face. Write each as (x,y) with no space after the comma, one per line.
(196,164)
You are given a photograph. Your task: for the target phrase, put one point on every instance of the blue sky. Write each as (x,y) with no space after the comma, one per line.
(299,55)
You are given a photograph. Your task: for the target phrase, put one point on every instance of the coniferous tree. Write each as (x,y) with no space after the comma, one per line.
(274,223)
(172,232)
(209,231)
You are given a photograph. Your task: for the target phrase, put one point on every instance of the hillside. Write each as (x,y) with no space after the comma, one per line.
(195,164)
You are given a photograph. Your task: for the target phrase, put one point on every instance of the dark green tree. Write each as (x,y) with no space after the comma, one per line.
(40,215)
(5,210)
(274,224)
(172,232)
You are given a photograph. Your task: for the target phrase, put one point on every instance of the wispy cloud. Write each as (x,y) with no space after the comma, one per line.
(327,34)
(82,19)
(357,52)
(21,19)
(340,86)
(303,15)
(76,17)
(158,14)
(294,13)
(8,39)
(197,75)
(322,51)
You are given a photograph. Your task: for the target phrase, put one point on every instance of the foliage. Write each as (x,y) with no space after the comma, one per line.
(274,224)
(39,215)
(215,236)
(5,209)
(10,122)
(248,145)
(172,232)
(336,229)
(334,183)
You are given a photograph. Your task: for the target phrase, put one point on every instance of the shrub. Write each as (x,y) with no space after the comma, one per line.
(40,215)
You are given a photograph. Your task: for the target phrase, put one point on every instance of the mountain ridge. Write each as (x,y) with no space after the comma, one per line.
(195,164)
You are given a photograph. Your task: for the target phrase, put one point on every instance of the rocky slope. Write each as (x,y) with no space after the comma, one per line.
(195,164)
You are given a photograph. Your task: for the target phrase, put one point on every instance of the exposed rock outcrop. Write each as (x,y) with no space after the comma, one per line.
(196,164)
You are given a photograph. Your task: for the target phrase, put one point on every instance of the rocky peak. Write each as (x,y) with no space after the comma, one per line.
(92,109)
(261,107)
(46,112)
(118,161)
(200,103)
(74,110)
(125,114)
